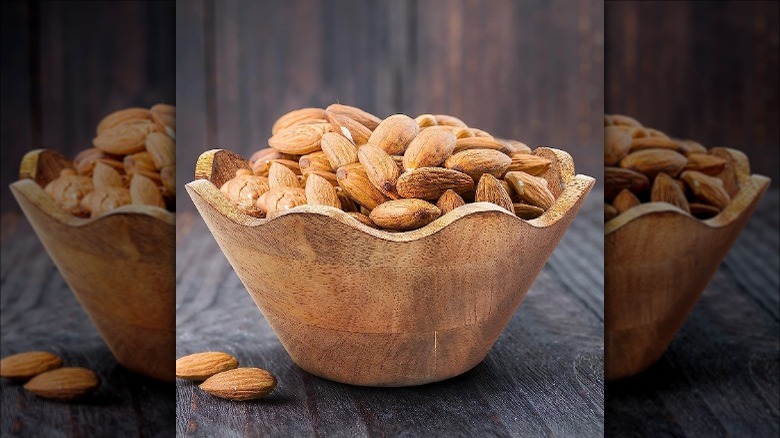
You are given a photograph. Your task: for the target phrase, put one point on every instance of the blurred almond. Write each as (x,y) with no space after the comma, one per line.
(703,211)
(425,120)
(168,179)
(162,149)
(144,192)
(138,161)
(106,176)
(665,189)
(296,117)
(447,120)
(624,201)
(708,189)
(64,383)
(705,163)
(610,212)
(651,162)
(22,366)
(655,143)
(623,120)
(125,115)
(514,146)
(125,138)
(362,218)
(617,179)
(617,143)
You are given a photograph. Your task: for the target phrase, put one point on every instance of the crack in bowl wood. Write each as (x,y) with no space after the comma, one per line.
(120,267)
(657,261)
(371,307)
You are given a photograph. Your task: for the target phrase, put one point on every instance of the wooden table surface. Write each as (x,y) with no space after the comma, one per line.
(720,375)
(38,311)
(544,375)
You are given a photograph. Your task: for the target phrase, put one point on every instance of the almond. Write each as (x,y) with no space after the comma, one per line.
(201,366)
(315,161)
(106,176)
(162,149)
(244,189)
(68,191)
(299,139)
(104,199)
(296,117)
(164,118)
(328,176)
(64,383)
(651,162)
(404,214)
(240,384)
(380,169)
(462,144)
(705,163)
(450,200)
(354,181)
(320,191)
(23,366)
(491,190)
(514,146)
(617,179)
(529,163)
(475,162)
(703,211)
(261,160)
(125,138)
(447,120)
(480,133)
(692,147)
(280,175)
(365,118)
(425,120)
(655,143)
(168,179)
(432,182)
(429,148)
(708,189)
(625,200)
(145,192)
(348,127)
(394,134)
(656,133)
(339,150)
(362,218)
(347,204)
(666,189)
(139,161)
(290,164)
(617,143)
(125,115)
(283,198)
(623,120)
(531,189)
(527,211)
(729,173)
(86,160)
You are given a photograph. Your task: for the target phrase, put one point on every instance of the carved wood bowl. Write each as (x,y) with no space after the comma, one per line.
(120,267)
(370,307)
(658,259)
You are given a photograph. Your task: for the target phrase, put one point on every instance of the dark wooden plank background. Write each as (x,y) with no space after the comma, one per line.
(720,375)
(65,65)
(543,377)
(532,70)
(705,70)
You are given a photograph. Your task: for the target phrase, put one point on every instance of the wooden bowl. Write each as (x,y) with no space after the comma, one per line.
(658,259)
(120,266)
(370,307)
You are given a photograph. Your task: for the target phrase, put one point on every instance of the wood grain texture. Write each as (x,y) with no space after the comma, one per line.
(74,63)
(719,375)
(38,311)
(705,70)
(529,70)
(543,376)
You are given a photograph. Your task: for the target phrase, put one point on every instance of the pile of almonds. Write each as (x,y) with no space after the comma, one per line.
(46,377)
(643,164)
(399,173)
(133,161)
(222,377)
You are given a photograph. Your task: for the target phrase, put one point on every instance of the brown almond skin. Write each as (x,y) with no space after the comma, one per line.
(432,182)
(394,134)
(64,383)
(448,120)
(527,211)
(491,190)
(296,117)
(380,168)
(22,366)
(651,162)
(465,143)
(348,127)
(617,179)
(623,120)
(122,116)
(240,384)
(201,366)
(617,143)
(280,175)
(531,189)
(404,214)
(143,191)
(624,201)
(319,191)
(666,189)
(692,147)
(707,189)
(475,162)
(514,146)
(655,143)
(354,181)
(705,163)
(315,161)
(279,199)
(426,120)
(298,139)
(365,118)
(431,147)
(339,150)
(362,218)
(529,163)
(449,201)
(610,213)
(104,175)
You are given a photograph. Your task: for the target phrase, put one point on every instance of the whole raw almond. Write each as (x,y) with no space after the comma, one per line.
(64,383)
(465,143)
(476,162)
(201,366)
(432,182)
(320,191)
(624,201)
(339,150)
(431,147)
(347,204)
(365,118)
(394,134)
(283,198)
(69,190)
(106,176)
(666,189)
(299,139)
(329,176)
(651,162)
(617,179)
(529,163)
(22,366)
(296,117)
(527,211)
(139,161)
(705,163)
(450,200)
(692,147)
(425,120)
(404,214)
(531,189)
(617,143)
(315,161)
(145,192)
(261,160)
(362,218)
(244,189)
(708,189)
(515,146)
(448,120)
(86,160)
(491,190)
(280,175)
(240,384)
(122,116)
(348,127)
(164,118)
(655,143)
(354,181)
(380,169)
(162,149)
(104,199)
(125,138)
(290,164)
